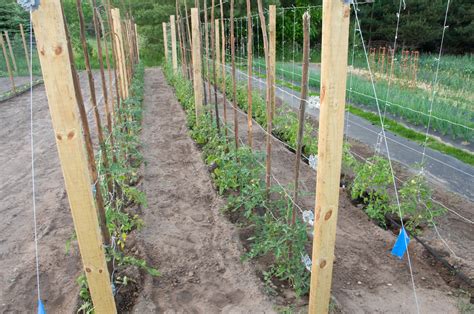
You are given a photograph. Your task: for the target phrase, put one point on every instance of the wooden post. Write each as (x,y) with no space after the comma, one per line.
(165,41)
(268,158)
(272,56)
(190,40)
(224,71)
(304,96)
(234,83)
(119,44)
(27,56)
(137,41)
(217,48)
(335,41)
(174,56)
(249,72)
(12,55)
(56,60)
(196,50)
(7,62)
(214,65)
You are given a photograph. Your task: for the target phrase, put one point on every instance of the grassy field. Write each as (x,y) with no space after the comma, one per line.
(453,108)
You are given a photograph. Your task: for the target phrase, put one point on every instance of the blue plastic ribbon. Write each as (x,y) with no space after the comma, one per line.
(41,309)
(401,245)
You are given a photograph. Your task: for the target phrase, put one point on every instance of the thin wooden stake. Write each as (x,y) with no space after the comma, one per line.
(165,41)
(174,54)
(196,50)
(12,55)
(335,42)
(7,62)
(268,165)
(301,120)
(137,41)
(224,71)
(119,44)
(214,70)
(234,83)
(272,57)
(249,72)
(27,55)
(190,40)
(217,48)
(56,59)
(206,35)
(95,108)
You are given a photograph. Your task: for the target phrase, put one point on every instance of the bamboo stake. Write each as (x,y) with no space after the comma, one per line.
(214,65)
(335,41)
(249,72)
(27,56)
(56,59)
(196,50)
(182,37)
(268,164)
(12,55)
(190,40)
(234,83)
(173,44)
(304,96)
(95,108)
(165,41)
(107,62)
(224,72)
(7,62)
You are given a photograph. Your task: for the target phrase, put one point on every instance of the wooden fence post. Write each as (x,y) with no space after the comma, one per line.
(304,96)
(27,56)
(165,41)
(249,72)
(12,55)
(196,50)
(7,62)
(56,59)
(119,44)
(335,41)
(214,65)
(174,55)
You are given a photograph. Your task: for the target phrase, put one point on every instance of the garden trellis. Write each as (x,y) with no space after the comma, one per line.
(242,46)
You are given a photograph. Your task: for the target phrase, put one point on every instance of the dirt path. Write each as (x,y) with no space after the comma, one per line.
(192,244)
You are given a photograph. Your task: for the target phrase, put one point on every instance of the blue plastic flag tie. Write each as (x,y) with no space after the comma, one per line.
(41,309)
(401,245)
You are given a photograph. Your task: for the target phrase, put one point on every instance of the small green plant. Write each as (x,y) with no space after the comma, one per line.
(371,186)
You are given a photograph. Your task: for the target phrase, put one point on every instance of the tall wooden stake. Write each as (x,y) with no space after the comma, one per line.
(12,55)
(196,50)
(214,65)
(25,48)
(272,56)
(165,42)
(137,41)
(234,83)
(206,35)
(224,71)
(249,72)
(56,60)
(217,48)
(190,40)
(174,55)
(7,62)
(95,108)
(119,44)
(335,41)
(304,96)
(268,158)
